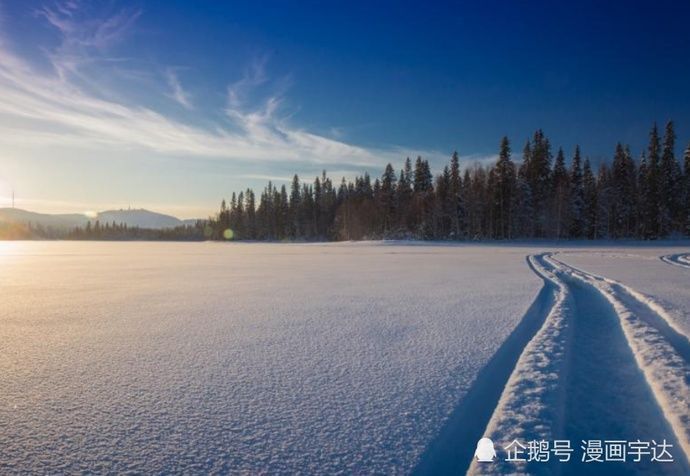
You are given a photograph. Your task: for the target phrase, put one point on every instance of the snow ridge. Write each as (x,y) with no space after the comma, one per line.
(531,403)
(678,259)
(661,351)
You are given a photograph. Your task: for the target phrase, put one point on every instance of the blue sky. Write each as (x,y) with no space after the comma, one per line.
(173,105)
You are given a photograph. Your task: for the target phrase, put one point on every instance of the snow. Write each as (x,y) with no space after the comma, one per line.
(606,363)
(642,270)
(338,358)
(661,352)
(202,357)
(533,392)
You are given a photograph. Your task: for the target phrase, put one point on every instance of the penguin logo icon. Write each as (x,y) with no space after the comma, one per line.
(485,452)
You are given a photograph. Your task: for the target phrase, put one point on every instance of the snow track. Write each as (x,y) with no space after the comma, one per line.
(661,351)
(608,363)
(678,259)
(531,404)
(453,449)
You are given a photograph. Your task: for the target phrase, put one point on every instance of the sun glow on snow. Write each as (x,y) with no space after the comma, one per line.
(10,248)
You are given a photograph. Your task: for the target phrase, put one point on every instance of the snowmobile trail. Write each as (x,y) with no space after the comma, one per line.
(452,450)
(532,402)
(661,351)
(678,259)
(611,392)
(606,365)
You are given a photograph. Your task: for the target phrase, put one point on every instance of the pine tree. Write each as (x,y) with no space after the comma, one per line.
(686,190)
(576,205)
(651,202)
(423,203)
(560,200)
(283,212)
(622,193)
(505,182)
(590,201)
(522,208)
(250,212)
(239,217)
(642,194)
(422,176)
(403,196)
(604,203)
(327,206)
(388,197)
(443,205)
(539,178)
(631,192)
(527,222)
(670,179)
(295,230)
(454,196)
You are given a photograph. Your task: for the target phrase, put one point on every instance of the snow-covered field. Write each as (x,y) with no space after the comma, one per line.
(243,357)
(323,358)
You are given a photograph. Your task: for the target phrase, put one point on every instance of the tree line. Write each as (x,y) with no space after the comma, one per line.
(103,231)
(541,197)
(121,232)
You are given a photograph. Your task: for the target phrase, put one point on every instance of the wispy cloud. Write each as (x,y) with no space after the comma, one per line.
(177,91)
(84,38)
(254,75)
(55,108)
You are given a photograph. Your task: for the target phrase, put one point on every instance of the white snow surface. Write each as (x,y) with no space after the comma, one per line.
(532,398)
(664,366)
(250,358)
(635,345)
(643,270)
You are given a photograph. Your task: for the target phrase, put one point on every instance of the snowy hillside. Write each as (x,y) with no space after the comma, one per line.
(131,217)
(140,218)
(16,215)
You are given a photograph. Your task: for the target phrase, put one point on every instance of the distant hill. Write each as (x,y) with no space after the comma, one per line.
(133,218)
(25,217)
(140,217)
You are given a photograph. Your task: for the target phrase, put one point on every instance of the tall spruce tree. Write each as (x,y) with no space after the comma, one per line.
(539,177)
(670,183)
(454,196)
(443,205)
(622,193)
(526,198)
(604,189)
(388,204)
(686,191)
(591,205)
(503,190)
(403,193)
(560,197)
(295,230)
(576,203)
(651,201)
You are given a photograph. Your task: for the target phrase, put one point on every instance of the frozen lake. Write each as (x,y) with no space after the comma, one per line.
(335,358)
(163,357)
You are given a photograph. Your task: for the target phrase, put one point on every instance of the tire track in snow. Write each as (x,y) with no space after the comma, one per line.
(678,259)
(531,404)
(453,449)
(658,317)
(595,371)
(661,350)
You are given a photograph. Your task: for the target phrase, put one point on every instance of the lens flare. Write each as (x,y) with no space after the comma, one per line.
(228,234)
